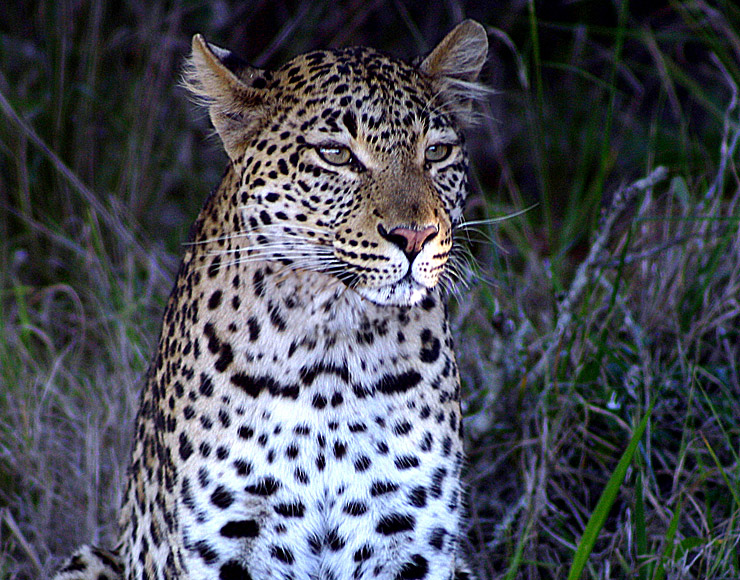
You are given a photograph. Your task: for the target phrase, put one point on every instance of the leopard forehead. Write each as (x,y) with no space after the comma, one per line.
(359,89)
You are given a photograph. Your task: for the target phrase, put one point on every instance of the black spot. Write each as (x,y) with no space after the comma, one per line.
(334,540)
(428,303)
(112,563)
(301,476)
(186,448)
(206,552)
(233,570)
(430,346)
(395,523)
(391,384)
(416,569)
(308,374)
(206,385)
(222,497)
(426,442)
(254,328)
(382,487)
(403,428)
(243,467)
(246,383)
(245,432)
(214,267)
(290,510)
(437,538)
(364,553)
(418,497)
(224,418)
(350,121)
(319,401)
(354,508)
(241,529)
(302,430)
(275,317)
(314,544)
(282,554)
(291,452)
(406,461)
(362,463)
(259,283)
(253,386)
(203,477)
(438,477)
(214,301)
(265,486)
(340,449)
(214,344)
(446,446)
(76,564)
(187,494)
(225,358)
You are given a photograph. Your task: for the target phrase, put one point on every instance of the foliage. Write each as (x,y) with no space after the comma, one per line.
(603,310)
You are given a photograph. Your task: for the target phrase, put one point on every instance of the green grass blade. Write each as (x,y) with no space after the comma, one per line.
(640,535)
(669,538)
(730,486)
(598,517)
(516,561)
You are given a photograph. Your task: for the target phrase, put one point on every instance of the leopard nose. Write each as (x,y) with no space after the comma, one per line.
(409,240)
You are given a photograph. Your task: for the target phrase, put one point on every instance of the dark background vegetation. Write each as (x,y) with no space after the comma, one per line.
(573,327)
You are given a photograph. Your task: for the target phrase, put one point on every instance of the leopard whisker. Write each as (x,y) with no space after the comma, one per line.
(489,221)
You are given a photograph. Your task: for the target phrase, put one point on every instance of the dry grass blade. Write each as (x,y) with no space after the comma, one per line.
(7,518)
(583,274)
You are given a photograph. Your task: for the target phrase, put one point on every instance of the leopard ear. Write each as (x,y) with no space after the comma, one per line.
(233,91)
(454,65)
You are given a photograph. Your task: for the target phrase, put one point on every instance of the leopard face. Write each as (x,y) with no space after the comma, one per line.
(352,165)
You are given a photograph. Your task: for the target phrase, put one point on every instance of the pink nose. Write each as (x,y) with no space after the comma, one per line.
(409,240)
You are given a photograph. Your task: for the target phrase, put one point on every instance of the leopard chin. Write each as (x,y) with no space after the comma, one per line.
(405,292)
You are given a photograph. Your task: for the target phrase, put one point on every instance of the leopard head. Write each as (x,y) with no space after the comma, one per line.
(350,163)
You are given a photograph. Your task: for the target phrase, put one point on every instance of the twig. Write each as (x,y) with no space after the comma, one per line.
(621,200)
(731,132)
(631,258)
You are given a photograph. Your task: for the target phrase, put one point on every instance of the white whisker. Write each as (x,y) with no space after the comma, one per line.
(489,221)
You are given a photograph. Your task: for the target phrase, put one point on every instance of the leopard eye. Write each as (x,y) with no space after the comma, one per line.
(438,152)
(335,154)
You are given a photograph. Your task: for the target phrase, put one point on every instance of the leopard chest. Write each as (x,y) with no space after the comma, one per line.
(311,445)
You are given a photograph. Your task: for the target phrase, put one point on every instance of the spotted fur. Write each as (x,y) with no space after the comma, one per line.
(301,419)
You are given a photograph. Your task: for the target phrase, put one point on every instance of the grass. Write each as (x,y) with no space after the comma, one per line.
(598,349)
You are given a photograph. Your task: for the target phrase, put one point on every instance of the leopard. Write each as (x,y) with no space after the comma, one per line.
(301,418)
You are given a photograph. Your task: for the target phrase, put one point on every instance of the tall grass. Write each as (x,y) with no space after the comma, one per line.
(604,324)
